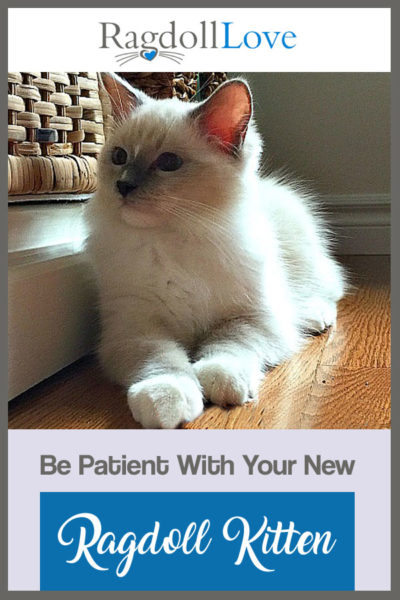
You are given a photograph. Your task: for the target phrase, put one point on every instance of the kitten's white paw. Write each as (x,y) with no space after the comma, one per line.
(225,381)
(165,401)
(321,314)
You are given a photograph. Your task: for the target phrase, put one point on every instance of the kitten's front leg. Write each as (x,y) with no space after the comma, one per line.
(163,390)
(229,363)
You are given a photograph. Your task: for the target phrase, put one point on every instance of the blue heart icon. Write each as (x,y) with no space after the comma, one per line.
(150,54)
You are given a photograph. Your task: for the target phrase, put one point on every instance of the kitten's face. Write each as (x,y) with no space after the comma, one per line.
(159,168)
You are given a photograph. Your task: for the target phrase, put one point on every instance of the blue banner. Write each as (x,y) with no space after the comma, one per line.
(197,541)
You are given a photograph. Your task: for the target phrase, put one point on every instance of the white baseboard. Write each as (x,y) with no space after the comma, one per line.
(51,295)
(360,222)
(50,319)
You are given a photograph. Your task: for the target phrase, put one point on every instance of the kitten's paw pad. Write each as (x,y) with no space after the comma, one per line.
(165,401)
(321,314)
(224,382)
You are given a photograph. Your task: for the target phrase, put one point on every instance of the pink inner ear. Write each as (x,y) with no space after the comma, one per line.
(227,113)
(123,99)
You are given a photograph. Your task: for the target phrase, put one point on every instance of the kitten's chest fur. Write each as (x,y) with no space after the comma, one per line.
(185,284)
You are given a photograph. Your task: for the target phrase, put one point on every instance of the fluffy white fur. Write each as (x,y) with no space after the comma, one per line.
(209,273)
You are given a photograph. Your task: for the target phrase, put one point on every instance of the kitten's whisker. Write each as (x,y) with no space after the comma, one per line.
(222,231)
(206,237)
(212,211)
(211,238)
(190,216)
(206,221)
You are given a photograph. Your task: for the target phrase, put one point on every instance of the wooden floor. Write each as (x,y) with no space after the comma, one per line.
(340,381)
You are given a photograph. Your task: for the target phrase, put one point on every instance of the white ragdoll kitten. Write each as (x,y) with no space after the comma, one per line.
(207,272)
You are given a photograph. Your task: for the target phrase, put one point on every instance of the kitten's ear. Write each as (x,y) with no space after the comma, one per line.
(225,115)
(123,97)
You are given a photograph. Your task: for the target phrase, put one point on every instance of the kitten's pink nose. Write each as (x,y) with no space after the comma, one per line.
(125,188)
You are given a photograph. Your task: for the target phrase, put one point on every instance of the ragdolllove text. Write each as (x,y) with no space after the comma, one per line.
(194,465)
(83,533)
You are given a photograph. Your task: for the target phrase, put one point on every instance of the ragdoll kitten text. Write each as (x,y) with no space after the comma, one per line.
(84,534)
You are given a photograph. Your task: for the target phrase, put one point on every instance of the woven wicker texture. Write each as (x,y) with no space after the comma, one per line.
(55,131)
(180,85)
(57,124)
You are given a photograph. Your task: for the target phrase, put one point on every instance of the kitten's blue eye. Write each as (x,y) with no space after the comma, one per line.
(168,161)
(119,156)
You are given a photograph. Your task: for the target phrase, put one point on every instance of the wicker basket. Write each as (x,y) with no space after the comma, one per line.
(185,86)
(55,132)
(57,124)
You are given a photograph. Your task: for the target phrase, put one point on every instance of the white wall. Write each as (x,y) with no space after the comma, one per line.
(332,129)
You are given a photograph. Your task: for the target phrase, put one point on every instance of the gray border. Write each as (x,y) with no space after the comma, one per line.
(395,287)
(196,4)
(4,305)
(395,283)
